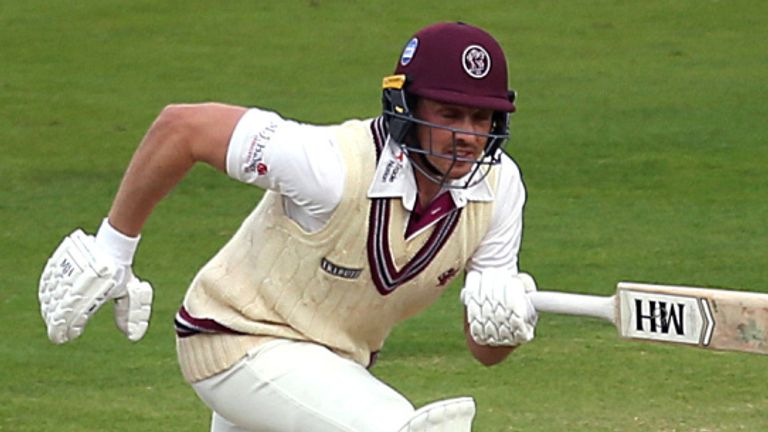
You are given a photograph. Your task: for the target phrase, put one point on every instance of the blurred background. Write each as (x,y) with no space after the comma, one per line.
(641,133)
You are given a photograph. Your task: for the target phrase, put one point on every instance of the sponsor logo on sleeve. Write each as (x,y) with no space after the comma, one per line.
(255,155)
(261,168)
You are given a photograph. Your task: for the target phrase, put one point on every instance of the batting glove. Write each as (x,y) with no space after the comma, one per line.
(134,308)
(499,311)
(84,273)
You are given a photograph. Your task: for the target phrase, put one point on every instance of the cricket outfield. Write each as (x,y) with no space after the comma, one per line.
(641,132)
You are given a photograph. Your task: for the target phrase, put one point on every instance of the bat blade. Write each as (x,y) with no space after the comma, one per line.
(703,317)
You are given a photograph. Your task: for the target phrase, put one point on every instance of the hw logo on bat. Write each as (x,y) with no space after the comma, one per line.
(667,318)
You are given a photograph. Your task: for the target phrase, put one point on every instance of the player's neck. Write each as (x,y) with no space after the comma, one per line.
(428,189)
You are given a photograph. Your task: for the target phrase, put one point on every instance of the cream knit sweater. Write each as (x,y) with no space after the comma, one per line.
(274,280)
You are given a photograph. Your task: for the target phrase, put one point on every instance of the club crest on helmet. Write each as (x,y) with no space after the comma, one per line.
(476,61)
(409,51)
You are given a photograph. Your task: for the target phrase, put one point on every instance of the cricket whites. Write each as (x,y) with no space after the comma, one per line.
(704,317)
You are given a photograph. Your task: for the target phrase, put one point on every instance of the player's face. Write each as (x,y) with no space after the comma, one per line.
(452,152)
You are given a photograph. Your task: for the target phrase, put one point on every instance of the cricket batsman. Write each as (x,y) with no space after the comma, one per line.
(363,224)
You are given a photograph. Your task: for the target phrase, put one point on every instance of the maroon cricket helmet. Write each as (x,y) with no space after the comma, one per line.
(457,63)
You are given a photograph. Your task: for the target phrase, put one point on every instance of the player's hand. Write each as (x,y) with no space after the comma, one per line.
(134,308)
(79,278)
(498,308)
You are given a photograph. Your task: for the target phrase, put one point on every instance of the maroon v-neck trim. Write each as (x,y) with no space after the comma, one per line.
(385,274)
(424,217)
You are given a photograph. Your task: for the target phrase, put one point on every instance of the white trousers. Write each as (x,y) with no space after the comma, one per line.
(290,386)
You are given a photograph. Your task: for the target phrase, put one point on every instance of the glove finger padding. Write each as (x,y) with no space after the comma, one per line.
(528,282)
(132,311)
(498,310)
(74,283)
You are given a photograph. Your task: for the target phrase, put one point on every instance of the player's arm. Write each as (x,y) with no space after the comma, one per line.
(181,136)
(498,313)
(86,271)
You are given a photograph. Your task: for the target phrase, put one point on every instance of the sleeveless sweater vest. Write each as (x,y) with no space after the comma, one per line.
(343,287)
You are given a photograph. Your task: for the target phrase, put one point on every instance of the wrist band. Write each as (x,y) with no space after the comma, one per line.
(120,246)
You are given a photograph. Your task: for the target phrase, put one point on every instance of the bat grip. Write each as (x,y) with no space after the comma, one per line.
(575,304)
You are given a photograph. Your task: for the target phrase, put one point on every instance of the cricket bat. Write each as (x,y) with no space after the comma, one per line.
(703,317)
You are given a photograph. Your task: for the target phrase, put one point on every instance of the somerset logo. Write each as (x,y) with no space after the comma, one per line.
(446,276)
(476,61)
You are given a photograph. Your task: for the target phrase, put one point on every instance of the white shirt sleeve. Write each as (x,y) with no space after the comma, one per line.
(299,161)
(501,244)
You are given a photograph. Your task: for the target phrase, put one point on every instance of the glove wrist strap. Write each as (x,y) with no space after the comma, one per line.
(120,246)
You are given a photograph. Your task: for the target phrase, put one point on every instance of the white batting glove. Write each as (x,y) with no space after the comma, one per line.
(134,308)
(75,282)
(133,300)
(81,275)
(499,311)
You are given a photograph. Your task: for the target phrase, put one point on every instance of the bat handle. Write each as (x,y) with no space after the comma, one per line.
(575,304)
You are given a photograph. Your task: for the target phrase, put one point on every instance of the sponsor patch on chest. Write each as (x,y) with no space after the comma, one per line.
(337,270)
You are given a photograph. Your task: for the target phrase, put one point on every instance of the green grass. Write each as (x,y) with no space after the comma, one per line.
(641,132)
